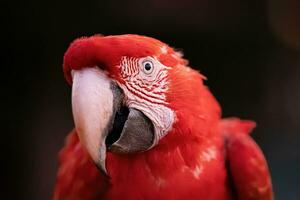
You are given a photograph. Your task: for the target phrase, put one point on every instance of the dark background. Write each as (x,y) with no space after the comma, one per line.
(249,50)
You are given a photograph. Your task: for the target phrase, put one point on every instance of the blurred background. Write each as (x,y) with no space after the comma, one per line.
(249,50)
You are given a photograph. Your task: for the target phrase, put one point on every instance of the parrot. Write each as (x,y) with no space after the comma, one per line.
(148,128)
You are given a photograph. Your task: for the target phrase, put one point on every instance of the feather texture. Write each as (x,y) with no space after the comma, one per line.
(189,162)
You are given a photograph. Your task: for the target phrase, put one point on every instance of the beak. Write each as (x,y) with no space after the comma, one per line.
(103,121)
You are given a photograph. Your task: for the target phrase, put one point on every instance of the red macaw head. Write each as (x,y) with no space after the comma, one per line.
(128,92)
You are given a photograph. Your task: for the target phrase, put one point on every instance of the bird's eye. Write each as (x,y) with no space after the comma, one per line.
(148,67)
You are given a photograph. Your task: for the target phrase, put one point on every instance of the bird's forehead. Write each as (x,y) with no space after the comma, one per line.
(107,52)
(136,46)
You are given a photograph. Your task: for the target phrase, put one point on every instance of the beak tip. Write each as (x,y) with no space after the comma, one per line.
(102,168)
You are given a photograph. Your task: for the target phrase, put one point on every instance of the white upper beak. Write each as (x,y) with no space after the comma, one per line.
(92,105)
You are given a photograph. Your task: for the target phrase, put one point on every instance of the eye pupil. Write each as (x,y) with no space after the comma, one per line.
(147,66)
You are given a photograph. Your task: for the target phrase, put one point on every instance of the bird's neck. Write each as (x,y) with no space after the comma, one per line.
(180,148)
(166,166)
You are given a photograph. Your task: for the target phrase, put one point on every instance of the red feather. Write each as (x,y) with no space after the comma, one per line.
(247,164)
(188,163)
(77,178)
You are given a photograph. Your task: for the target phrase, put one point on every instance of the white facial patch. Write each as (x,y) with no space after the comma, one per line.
(146,84)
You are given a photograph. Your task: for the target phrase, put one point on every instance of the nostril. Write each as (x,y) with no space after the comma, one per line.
(119,121)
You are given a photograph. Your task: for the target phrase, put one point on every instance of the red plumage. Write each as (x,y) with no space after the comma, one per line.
(202,157)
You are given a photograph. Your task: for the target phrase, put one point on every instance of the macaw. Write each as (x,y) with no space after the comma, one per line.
(147,128)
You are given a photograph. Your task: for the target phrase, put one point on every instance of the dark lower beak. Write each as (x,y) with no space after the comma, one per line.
(101,119)
(137,133)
